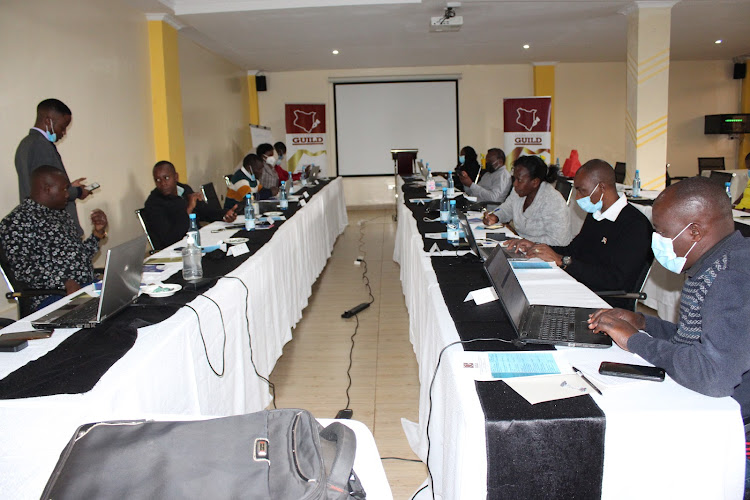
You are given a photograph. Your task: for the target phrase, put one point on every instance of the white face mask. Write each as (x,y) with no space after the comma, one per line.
(664,253)
(271,160)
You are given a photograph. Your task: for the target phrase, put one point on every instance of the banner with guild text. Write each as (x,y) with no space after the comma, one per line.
(306,136)
(527,128)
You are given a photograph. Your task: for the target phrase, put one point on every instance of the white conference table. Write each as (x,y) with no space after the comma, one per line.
(657,435)
(166,371)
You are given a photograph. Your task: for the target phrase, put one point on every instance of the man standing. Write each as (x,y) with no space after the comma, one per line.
(614,244)
(167,209)
(494,186)
(38,148)
(40,239)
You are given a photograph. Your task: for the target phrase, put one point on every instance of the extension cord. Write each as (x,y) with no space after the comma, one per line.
(355,310)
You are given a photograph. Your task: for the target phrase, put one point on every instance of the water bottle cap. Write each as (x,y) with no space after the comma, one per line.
(247,196)
(453,202)
(191,216)
(727,184)
(445,190)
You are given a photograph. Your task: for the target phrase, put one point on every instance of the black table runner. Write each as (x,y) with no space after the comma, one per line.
(77,364)
(548,450)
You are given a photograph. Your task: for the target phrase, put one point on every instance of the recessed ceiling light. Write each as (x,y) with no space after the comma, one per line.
(334,52)
(717,42)
(526,46)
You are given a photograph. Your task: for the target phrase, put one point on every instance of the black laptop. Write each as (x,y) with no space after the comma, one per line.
(540,324)
(120,287)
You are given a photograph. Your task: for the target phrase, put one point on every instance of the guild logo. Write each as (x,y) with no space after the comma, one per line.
(528,141)
(527,118)
(307,140)
(305,121)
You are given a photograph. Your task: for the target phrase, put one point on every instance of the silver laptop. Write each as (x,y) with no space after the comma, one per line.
(120,286)
(482,252)
(539,324)
(422,169)
(314,173)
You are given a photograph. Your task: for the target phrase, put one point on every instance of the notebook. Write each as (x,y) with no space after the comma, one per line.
(539,324)
(120,287)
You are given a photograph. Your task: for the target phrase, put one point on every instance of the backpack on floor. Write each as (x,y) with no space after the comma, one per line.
(272,454)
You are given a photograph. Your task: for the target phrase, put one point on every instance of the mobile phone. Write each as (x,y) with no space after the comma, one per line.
(13,345)
(632,371)
(92,187)
(27,335)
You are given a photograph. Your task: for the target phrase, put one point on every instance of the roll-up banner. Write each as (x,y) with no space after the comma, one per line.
(527,128)
(306,136)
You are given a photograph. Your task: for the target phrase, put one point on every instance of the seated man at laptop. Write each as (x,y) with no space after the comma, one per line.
(169,204)
(40,239)
(495,183)
(246,181)
(614,244)
(708,350)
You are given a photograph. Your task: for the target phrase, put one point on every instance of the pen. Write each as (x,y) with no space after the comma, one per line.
(579,372)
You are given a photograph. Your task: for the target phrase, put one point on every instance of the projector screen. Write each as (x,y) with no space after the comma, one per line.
(373,118)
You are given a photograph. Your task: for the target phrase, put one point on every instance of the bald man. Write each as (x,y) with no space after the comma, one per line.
(614,244)
(40,239)
(708,351)
(38,148)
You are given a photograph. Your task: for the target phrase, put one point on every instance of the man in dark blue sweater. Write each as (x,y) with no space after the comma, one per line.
(708,351)
(613,247)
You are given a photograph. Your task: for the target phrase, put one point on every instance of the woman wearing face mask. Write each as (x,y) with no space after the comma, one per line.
(268,178)
(467,162)
(538,211)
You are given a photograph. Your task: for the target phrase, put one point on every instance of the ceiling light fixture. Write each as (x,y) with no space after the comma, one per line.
(526,46)
(334,52)
(717,42)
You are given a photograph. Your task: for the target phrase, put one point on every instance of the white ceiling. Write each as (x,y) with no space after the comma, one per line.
(283,35)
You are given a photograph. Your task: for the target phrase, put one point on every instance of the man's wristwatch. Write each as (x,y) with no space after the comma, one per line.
(566,260)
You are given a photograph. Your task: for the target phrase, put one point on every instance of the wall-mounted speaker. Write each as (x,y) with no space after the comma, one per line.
(260,83)
(740,70)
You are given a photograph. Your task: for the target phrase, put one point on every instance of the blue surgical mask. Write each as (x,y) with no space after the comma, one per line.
(589,207)
(664,253)
(51,136)
(461,159)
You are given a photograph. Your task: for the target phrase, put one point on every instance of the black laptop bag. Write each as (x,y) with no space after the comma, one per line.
(273,454)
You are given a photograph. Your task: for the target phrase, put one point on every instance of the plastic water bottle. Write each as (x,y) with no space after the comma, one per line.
(445,208)
(303,178)
(427,167)
(193,229)
(637,185)
(728,187)
(430,181)
(453,225)
(192,268)
(283,201)
(249,214)
(451,186)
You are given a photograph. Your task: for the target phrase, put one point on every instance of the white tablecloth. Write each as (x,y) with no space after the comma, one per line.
(166,371)
(662,440)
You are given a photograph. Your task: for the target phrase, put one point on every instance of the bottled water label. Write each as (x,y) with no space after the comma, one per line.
(430,184)
(444,214)
(283,204)
(249,223)
(453,234)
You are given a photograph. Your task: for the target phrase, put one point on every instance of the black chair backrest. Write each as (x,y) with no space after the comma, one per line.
(209,194)
(565,187)
(145,229)
(620,171)
(405,162)
(714,163)
(721,177)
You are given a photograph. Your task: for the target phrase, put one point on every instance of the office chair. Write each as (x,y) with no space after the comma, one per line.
(669,178)
(634,295)
(19,291)
(620,171)
(209,194)
(565,188)
(715,163)
(145,230)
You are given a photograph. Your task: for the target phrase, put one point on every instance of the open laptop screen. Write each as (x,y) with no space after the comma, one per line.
(506,285)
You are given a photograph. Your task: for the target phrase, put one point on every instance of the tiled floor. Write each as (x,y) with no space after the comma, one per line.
(311,373)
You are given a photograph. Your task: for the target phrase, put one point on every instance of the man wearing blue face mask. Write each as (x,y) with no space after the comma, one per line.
(708,350)
(613,246)
(38,148)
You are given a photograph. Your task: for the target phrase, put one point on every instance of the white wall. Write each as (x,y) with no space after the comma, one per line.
(215,115)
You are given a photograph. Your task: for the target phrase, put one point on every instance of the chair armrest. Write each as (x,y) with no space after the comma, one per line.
(622,294)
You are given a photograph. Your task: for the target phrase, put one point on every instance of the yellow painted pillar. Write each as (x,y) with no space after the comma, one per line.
(544,85)
(646,117)
(166,94)
(252,91)
(745,145)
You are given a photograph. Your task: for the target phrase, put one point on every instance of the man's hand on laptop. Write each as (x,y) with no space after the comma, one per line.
(99,221)
(519,245)
(544,252)
(618,324)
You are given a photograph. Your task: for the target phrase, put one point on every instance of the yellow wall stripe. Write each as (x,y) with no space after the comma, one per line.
(653,131)
(544,85)
(661,180)
(665,68)
(655,56)
(654,65)
(651,139)
(649,124)
(166,96)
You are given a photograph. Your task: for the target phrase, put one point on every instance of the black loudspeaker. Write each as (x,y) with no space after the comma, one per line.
(260,83)
(740,70)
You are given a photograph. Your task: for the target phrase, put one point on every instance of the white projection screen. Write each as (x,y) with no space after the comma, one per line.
(373,118)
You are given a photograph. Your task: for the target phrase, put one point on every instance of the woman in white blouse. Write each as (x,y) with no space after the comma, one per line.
(538,211)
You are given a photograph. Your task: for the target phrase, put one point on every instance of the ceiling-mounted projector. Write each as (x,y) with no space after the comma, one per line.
(449,21)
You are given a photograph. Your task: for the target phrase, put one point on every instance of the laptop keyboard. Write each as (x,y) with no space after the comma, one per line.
(84,313)
(558,324)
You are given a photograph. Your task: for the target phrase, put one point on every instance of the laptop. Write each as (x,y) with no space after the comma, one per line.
(540,324)
(482,253)
(120,287)
(314,173)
